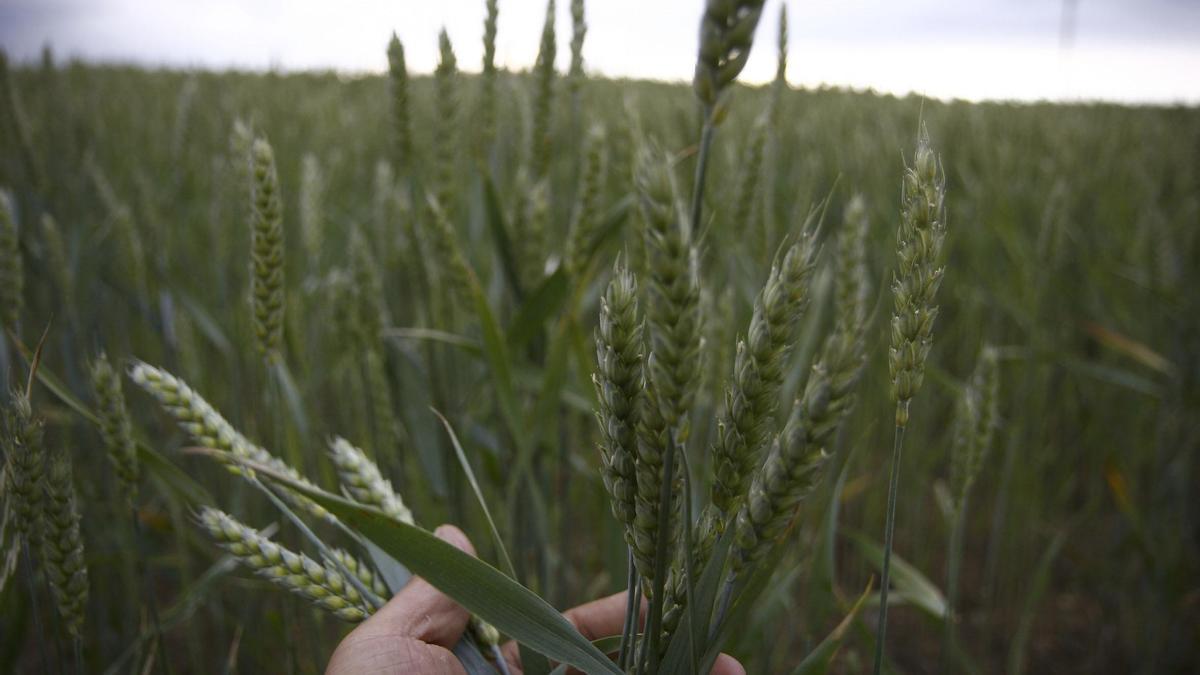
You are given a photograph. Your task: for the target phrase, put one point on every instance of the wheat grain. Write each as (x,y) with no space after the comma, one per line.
(360,569)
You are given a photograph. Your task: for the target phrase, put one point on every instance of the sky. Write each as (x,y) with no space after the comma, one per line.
(1140,51)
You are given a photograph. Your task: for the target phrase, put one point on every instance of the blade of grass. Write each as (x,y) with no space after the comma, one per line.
(497,540)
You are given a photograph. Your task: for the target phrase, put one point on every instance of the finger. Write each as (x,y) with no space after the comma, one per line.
(727,665)
(421,611)
(383,654)
(601,618)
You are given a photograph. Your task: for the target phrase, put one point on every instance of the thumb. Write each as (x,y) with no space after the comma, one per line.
(423,612)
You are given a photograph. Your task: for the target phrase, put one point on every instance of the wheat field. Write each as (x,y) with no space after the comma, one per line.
(247,313)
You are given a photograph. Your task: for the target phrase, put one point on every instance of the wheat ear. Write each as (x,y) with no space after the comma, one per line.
(322,585)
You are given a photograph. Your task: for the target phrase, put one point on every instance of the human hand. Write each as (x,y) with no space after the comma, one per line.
(415,631)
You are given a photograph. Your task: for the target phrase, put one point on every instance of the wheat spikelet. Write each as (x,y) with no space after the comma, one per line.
(362,480)
(619,382)
(360,569)
(62,545)
(398,81)
(322,585)
(919,274)
(12,271)
(266,245)
(745,427)
(726,34)
(115,427)
(206,427)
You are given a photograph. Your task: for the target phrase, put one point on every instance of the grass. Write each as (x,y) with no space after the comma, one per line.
(1070,250)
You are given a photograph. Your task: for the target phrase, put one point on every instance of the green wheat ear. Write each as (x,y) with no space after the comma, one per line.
(321,584)
(543,98)
(26,472)
(12,272)
(398,82)
(726,34)
(266,246)
(62,545)
(115,428)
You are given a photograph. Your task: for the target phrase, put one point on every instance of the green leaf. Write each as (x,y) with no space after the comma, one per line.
(498,226)
(291,395)
(433,335)
(495,349)
(487,514)
(678,657)
(480,588)
(1041,578)
(908,582)
(818,660)
(546,301)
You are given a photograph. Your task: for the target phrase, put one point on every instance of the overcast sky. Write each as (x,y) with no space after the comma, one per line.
(1129,50)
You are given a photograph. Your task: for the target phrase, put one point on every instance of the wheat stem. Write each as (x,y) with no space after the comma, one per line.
(893,488)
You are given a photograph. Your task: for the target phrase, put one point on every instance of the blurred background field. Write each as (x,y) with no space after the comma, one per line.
(1073,247)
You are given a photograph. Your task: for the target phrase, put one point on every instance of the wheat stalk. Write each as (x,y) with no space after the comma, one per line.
(914,286)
